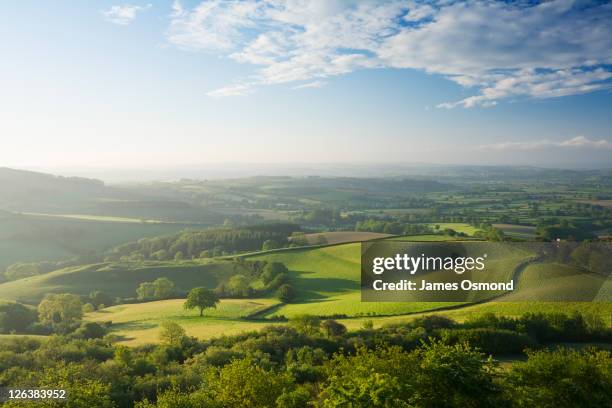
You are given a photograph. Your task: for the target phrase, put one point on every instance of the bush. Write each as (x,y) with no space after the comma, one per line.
(286,293)
(15,317)
(490,341)
(89,330)
(332,328)
(562,379)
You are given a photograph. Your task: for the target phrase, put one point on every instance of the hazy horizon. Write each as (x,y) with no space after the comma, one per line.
(212,171)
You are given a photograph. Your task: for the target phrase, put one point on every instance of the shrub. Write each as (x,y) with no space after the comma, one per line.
(332,328)
(491,341)
(286,293)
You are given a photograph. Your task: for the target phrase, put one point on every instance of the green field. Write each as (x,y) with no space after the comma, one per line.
(139,323)
(457,226)
(328,282)
(339,237)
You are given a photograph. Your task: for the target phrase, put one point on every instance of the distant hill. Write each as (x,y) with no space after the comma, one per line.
(22,189)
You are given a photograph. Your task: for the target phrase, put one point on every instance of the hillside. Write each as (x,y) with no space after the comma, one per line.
(328,283)
(118,280)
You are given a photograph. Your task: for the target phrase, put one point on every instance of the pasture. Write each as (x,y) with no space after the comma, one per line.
(137,324)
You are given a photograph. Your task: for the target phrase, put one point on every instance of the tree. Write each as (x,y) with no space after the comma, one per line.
(238,285)
(164,288)
(562,378)
(90,330)
(171,333)
(60,311)
(100,298)
(22,270)
(286,293)
(242,383)
(16,317)
(271,270)
(145,291)
(201,298)
(305,323)
(161,288)
(269,244)
(332,328)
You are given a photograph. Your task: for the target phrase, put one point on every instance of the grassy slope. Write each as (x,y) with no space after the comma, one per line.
(139,323)
(116,279)
(457,226)
(28,238)
(328,283)
(338,237)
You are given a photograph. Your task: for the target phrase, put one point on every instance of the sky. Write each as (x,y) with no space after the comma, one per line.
(142,84)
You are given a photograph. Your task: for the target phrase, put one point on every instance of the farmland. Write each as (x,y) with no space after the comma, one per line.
(139,323)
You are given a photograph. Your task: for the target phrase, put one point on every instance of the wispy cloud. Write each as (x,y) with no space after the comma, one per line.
(232,90)
(123,14)
(313,84)
(496,50)
(578,142)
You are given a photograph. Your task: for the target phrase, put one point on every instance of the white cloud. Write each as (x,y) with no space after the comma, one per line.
(232,90)
(578,142)
(123,14)
(313,84)
(496,50)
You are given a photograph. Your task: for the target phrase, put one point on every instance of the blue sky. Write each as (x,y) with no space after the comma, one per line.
(161,83)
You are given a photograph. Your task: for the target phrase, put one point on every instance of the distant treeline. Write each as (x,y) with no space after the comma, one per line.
(206,243)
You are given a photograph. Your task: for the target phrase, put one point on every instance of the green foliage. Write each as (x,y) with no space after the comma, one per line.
(61,311)
(89,330)
(562,379)
(332,328)
(370,378)
(201,298)
(285,293)
(306,324)
(171,333)
(269,244)
(191,243)
(160,288)
(15,317)
(98,298)
(271,270)
(244,384)
(239,286)
(22,270)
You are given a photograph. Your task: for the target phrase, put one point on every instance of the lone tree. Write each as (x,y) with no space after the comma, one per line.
(201,298)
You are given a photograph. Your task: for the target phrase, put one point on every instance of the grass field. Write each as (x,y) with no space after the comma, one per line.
(457,226)
(511,309)
(517,231)
(557,282)
(339,237)
(139,323)
(328,282)
(88,217)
